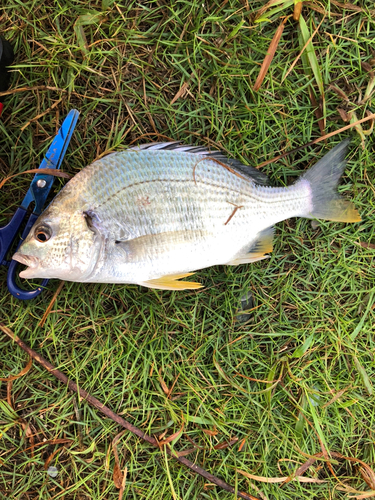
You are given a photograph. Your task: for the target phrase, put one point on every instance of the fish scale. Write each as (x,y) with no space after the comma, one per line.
(153,214)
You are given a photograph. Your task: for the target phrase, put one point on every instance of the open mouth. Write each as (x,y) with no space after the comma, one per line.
(27,260)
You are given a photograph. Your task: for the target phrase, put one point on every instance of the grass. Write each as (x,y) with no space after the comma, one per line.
(121,66)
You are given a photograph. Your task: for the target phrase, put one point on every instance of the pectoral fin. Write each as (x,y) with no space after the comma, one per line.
(169,282)
(258,250)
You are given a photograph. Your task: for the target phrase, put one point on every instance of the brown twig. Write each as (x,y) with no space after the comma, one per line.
(47,171)
(232,214)
(50,305)
(41,114)
(119,420)
(27,89)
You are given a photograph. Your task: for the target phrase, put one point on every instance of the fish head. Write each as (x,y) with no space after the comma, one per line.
(61,244)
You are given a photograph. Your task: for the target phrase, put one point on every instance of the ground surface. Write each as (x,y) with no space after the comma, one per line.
(311,328)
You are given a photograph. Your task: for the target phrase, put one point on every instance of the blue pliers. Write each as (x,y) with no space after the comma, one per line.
(38,192)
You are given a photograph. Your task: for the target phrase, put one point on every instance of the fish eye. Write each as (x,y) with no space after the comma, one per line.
(42,233)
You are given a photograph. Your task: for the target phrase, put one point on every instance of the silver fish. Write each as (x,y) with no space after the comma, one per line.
(153,214)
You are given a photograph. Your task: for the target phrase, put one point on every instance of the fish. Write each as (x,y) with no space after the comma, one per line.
(154,214)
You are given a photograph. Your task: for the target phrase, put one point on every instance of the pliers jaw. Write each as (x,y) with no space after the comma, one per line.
(38,192)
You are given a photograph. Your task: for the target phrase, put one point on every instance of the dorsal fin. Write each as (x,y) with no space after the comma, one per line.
(244,170)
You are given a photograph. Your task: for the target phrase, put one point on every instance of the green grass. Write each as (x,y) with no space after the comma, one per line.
(310,296)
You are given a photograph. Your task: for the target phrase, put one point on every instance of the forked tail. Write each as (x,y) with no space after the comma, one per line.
(323,179)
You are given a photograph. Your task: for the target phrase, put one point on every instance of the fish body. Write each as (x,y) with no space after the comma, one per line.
(153,214)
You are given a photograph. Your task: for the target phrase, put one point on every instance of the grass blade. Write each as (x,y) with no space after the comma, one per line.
(311,55)
(272,12)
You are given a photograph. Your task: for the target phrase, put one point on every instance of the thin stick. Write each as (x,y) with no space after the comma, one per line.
(47,171)
(319,139)
(304,47)
(50,305)
(232,214)
(41,114)
(25,89)
(119,420)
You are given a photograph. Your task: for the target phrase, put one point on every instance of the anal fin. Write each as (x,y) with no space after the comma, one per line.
(170,282)
(258,250)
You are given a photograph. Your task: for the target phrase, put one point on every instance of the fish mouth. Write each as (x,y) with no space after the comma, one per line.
(27,260)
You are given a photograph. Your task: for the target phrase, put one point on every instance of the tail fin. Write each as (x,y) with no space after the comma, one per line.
(323,179)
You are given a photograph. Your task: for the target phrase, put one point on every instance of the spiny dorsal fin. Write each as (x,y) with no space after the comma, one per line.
(245,170)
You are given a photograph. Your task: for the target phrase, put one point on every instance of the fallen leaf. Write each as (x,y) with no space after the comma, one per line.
(174,383)
(336,396)
(225,444)
(28,433)
(172,437)
(347,6)
(367,67)
(368,476)
(367,245)
(343,114)
(313,6)
(210,433)
(339,92)
(181,92)
(242,444)
(51,456)
(270,54)
(163,384)
(185,452)
(117,475)
(121,492)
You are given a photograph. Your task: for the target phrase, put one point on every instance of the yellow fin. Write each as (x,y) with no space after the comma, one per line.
(169,282)
(343,211)
(257,252)
(252,257)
